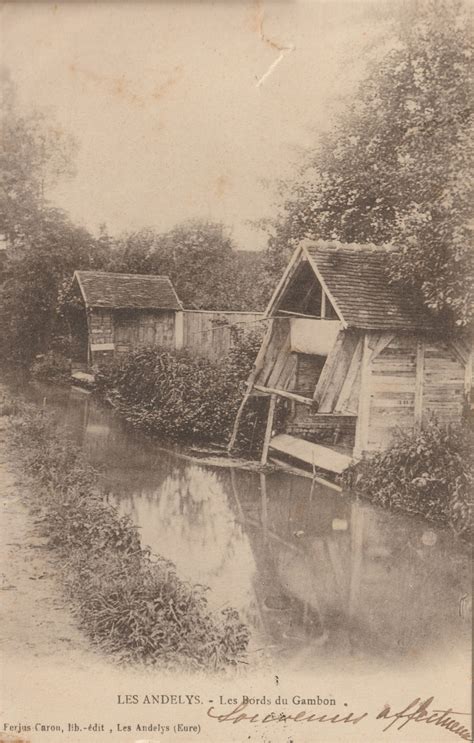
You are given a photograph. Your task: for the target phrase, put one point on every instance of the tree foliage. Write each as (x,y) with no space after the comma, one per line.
(35,153)
(396,168)
(44,246)
(201,260)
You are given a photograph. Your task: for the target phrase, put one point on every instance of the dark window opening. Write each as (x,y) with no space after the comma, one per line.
(304,295)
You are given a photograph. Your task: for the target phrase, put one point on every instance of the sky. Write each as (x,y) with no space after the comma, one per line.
(187,110)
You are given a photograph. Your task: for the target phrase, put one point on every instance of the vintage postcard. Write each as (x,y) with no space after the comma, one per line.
(236,303)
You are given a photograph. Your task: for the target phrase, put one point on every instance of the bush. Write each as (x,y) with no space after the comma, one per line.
(428,472)
(129,602)
(52,367)
(181,396)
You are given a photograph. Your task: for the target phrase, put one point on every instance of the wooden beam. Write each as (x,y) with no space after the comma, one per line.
(280,334)
(288,371)
(419,377)
(335,370)
(268,430)
(461,350)
(327,370)
(351,376)
(284,393)
(283,283)
(298,314)
(383,341)
(282,358)
(362,426)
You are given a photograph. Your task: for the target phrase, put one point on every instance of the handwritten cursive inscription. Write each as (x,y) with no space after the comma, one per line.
(416,711)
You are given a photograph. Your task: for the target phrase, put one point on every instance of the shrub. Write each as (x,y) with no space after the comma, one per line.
(181,396)
(52,367)
(129,602)
(428,472)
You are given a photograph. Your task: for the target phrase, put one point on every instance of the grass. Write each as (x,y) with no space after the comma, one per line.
(131,603)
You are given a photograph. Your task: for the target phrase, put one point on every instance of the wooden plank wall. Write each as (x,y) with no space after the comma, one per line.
(101,327)
(141,328)
(208,334)
(392,391)
(396,392)
(443,388)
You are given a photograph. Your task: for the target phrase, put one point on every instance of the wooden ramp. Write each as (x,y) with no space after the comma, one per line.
(313,454)
(82,379)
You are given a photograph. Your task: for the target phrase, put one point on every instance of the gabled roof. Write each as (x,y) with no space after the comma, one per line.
(127,291)
(355,280)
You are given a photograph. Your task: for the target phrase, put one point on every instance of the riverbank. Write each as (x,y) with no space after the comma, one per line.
(130,602)
(36,620)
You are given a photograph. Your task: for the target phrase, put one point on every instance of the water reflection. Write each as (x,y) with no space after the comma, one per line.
(317,575)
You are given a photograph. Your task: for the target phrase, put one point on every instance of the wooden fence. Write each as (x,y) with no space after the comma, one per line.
(208,332)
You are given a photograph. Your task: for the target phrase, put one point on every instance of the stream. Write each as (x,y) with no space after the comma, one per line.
(320,578)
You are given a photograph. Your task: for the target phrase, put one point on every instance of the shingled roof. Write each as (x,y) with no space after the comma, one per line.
(356,280)
(127,291)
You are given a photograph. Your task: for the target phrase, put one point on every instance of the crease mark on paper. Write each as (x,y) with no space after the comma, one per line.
(283,49)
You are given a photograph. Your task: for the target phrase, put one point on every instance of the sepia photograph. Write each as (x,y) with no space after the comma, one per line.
(236,365)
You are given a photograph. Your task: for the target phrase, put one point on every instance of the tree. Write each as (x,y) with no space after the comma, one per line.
(32,278)
(200,259)
(43,246)
(397,167)
(35,153)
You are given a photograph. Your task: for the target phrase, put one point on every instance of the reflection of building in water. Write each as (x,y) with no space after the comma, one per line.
(338,579)
(299,582)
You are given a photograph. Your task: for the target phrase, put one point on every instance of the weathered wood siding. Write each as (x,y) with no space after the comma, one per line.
(140,328)
(397,391)
(101,334)
(208,333)
(443,386)
(278,351)
(392,391)
(101,327)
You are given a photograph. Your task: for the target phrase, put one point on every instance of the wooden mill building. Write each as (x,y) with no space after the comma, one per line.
(352,358)
(117,313)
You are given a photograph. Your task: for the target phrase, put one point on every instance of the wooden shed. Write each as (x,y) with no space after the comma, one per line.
(120,312)
(353,358)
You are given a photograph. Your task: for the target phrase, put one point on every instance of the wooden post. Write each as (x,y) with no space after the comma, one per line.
(235,430)
(468,376)
(323,303)
(419,372)
(362,425)
(179,330)
(268,430)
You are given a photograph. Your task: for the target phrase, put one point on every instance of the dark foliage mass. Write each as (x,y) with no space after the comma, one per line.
(185,397)
(202,261)
(430,473)
(130,602)
(397,165)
